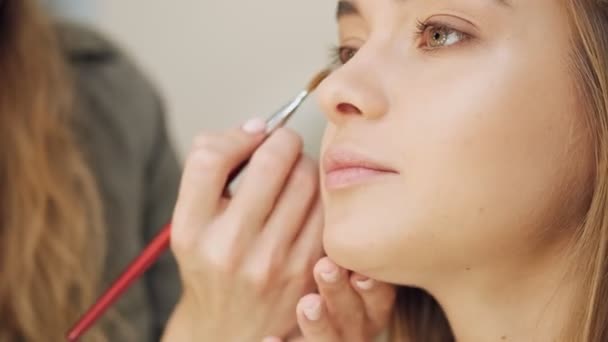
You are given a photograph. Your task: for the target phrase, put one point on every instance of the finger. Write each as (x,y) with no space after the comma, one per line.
(297,275)
(308,246)
(378,299)
(292,209)
(295,278)
(314,321)
(289,216)
(298,339)
(205,174)
(292,339)
(261,185)
(272,339)
(343,303)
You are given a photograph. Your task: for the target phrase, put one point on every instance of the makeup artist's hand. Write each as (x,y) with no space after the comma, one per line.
(349,307)
(245,261)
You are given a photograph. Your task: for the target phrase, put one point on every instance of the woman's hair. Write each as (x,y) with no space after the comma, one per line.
(51,241)
(420,318)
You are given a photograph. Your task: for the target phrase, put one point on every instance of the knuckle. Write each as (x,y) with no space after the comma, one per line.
(257,276)
(205,160)
(270,158)
(289,138)
(216,259)
(217,251)
(182,244)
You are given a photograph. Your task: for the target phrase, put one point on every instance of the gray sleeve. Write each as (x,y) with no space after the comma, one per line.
(120,123)
(161,185)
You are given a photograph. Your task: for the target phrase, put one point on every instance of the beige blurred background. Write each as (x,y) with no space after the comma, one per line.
(220,62)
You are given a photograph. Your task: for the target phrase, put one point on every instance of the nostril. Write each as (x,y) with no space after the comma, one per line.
(347,108)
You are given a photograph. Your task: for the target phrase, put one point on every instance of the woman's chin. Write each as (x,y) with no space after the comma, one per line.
(395,251)
(354,247)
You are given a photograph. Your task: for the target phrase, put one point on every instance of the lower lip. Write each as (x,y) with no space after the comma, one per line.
(344,178)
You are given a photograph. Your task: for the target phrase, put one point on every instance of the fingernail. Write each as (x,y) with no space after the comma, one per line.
(312,310)
(330,276)
(330,273)
(365,284)
(271,339)
(254,126)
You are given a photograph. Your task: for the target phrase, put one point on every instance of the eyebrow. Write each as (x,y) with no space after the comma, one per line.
(348,8)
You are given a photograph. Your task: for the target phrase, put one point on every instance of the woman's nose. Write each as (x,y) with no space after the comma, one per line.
(352,91)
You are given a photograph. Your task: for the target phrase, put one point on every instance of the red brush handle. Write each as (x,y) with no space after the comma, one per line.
(133,271)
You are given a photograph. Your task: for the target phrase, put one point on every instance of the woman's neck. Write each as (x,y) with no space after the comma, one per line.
(511,301)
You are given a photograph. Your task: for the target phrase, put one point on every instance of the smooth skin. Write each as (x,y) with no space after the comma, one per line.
(473,105)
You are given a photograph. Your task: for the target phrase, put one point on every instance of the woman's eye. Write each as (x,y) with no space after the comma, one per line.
(343,54)
(435,37)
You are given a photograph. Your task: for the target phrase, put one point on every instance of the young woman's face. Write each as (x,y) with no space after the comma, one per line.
(468,109)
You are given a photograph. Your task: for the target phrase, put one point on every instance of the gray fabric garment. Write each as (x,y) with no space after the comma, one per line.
(120,123)
(79,10)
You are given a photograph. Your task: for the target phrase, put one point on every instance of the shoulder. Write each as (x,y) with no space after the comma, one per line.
(114,100)
(81,42)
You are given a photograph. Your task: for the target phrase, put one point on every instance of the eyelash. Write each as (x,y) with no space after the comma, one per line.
(422,27)
(337,52)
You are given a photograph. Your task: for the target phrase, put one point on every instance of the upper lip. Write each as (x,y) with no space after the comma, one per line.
(339,158)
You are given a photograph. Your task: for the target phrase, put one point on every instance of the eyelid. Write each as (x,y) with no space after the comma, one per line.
(452,22)
(336,54)
(447,22)
(463,26)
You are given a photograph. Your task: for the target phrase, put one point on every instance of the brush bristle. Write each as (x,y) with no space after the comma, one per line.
(314,83)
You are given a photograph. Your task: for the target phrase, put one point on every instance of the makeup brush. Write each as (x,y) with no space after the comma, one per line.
(161,242)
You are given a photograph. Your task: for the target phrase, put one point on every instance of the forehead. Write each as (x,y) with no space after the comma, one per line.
(351,7)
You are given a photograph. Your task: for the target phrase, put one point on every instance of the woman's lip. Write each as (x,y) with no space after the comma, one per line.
(346,177)
(345,168)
